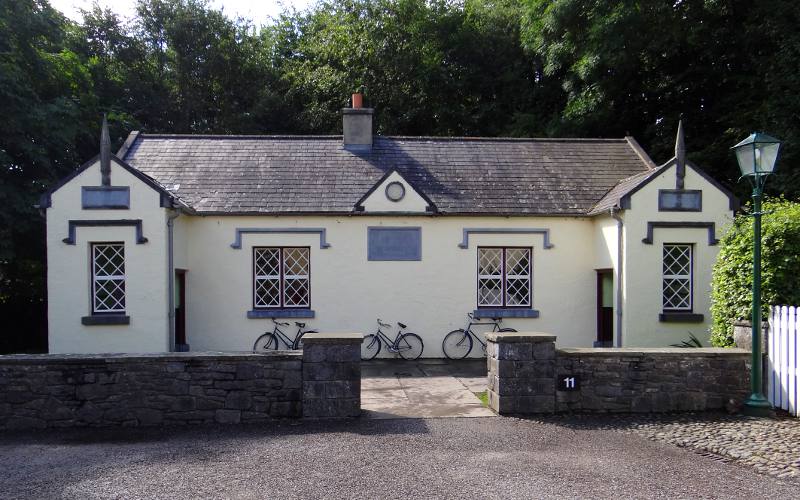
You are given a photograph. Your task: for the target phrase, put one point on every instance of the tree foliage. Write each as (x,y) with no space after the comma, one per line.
(731,298)
(430,67)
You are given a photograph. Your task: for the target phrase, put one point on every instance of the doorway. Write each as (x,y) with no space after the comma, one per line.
(605,308)
(180,311)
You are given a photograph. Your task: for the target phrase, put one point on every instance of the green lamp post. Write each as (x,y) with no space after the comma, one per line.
(757,156)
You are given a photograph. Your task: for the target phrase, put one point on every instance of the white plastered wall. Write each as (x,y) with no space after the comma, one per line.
(348,292)
(69,270)
(643,262)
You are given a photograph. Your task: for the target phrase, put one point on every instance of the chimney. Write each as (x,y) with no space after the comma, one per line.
(357,125)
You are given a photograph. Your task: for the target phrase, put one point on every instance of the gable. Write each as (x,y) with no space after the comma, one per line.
(659,192)
(394,194)
(115,196)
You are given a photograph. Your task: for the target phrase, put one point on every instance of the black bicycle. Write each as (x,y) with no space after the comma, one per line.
(458,343)
(407,345)
(270,340)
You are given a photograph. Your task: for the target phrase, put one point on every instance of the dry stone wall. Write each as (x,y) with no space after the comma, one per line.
(527,374)
(39,391)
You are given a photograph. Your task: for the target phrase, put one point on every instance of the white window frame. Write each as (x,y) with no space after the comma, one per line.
(97,278)
(282,278)
(665,277)
(503,276)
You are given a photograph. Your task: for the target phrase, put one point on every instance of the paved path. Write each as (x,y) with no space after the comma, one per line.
(387,459)
(425,388)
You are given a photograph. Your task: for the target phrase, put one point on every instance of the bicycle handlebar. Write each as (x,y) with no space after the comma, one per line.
(279,322)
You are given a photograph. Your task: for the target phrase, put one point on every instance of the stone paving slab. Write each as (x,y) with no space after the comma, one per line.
(423,389)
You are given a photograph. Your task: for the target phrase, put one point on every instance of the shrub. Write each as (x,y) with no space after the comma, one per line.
(731,296)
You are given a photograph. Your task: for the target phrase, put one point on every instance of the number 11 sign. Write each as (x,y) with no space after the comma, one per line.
(568,383)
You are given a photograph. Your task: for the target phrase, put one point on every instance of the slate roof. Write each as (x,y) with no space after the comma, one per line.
(316,174)
(623,187)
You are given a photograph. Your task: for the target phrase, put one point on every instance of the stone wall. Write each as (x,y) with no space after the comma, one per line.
(525,370)
(332,375)
(40,391)
(652,380)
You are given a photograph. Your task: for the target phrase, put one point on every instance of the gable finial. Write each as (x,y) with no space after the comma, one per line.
(680,157)
(105,153)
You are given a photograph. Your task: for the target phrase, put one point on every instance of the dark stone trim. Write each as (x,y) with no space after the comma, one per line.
(505,313)
(237,240)
(679,317)
(373,233)
(106,319)
(662,208)
(712,239)
(431,205)
(74,224)
(88,204)
(280,313)
(485,230)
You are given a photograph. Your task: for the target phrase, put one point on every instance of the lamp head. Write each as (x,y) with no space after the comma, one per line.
(757,154)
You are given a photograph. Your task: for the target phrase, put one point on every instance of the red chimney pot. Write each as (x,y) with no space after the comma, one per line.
(358,100)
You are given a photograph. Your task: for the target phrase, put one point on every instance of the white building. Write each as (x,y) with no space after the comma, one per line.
(197,241)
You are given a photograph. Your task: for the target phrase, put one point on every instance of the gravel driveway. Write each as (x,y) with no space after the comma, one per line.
(407,458)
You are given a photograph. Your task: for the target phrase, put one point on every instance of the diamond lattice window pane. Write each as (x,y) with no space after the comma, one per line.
(490,292)
(268,292)
(108,278)
(517,292)
(268,262)
(677,277)
(518,261)
(490,261)
(296,293)
(295,261)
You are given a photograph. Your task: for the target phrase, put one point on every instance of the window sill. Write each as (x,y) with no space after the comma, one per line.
(280,313)
(678,317)
(505,313)
(106,319)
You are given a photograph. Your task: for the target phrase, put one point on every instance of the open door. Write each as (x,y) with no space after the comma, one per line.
(180,311)
(605,308)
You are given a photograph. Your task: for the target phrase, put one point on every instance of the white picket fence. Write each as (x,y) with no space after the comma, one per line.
(783,346)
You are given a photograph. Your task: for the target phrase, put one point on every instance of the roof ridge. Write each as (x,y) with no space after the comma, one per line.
(397,137)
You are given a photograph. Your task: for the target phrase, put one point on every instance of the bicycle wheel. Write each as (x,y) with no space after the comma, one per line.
(457,344)
(298,344)
(410,346)
(370,347)
(266,342)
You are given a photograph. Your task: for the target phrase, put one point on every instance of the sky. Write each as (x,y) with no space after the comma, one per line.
(256,10)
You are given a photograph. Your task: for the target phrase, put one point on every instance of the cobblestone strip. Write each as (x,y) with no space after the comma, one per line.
(771,446)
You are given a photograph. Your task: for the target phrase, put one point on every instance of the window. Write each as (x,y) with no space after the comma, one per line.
(108,278)
(281,278)
(677,277)
(504,277)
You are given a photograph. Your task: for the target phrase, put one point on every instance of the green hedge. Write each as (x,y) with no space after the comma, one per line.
(731,295)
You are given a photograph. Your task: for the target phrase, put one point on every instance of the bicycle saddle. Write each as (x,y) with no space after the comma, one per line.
(300,325)
(497,319)
(401,325)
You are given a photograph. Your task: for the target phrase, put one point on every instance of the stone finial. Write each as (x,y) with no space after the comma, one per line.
(680,157)
(105,153)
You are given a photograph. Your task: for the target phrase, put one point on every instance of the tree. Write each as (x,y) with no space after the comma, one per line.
(633,67)
(731,296)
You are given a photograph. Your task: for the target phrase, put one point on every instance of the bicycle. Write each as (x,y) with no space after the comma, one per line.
(458,343)
(269,341)
(407,345)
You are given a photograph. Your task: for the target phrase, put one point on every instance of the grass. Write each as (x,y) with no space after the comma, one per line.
(484,397)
